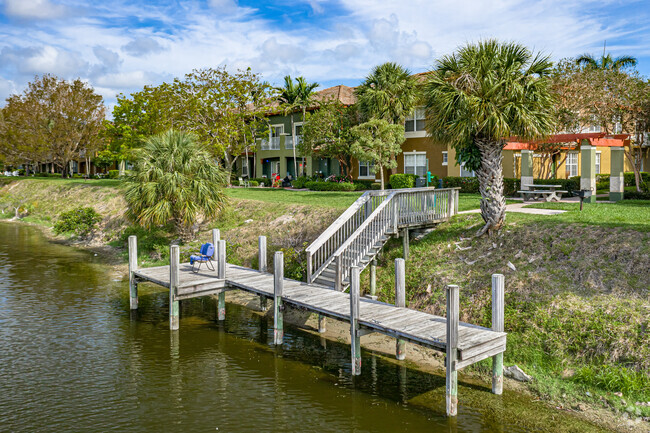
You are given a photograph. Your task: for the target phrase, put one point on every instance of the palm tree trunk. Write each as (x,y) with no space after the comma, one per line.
(490,180)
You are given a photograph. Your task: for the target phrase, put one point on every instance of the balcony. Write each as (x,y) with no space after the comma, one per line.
(273,144)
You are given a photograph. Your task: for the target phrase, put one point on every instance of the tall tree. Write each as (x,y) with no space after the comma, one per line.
(66,117)
(390,93)
(295,97)
(606,61)
(327,133)
(378,141)
(480,96)
(175,178)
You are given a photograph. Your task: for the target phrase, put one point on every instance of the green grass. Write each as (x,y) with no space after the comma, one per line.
(469,201)
(58,181)
(335,199)
(631,214)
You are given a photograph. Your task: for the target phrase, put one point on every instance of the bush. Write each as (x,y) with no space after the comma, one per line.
(633,195)
(80,221)
(466,184)
(399,181)
(262,181)
(571,184)
(362,185)
(628,178)
(253,183)
(234,182)
(299,182)
(113,174)
(330,186)
(510,186)
(375,186)
(21,172)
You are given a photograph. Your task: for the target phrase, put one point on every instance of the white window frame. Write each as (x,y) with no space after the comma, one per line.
(369,167)
(598,160)
(415,153)
(445,157)
(567,165)
(414,117)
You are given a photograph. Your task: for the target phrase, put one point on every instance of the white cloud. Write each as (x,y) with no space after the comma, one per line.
(34,9)
(223,6)
(45,59)
(142,46)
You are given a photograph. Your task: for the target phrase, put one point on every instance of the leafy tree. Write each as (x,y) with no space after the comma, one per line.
(225,110)
(174,179)
(390,93)
(293,97)
(327,133)
(606,61)
(20,140)
(378,141)
(104,159)
(55,118)
(480,96)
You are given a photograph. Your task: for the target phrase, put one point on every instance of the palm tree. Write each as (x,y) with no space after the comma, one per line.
(174,179)
(388,93)
(477,98)
(293,97)
(606,62)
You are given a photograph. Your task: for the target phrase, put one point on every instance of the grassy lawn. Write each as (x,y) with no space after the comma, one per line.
(334,199)
(59,181)
(631,214)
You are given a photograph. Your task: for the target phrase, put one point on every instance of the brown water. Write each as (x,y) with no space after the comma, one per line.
(73,358)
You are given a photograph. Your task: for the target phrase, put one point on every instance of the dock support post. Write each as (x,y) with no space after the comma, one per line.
(322,324)
(174,310)
(400,301)
(498,283)
(373,279)
(261,259)
(221,274)
(405,243)
(278,285)
(133,266)
(355,336)
(452,351)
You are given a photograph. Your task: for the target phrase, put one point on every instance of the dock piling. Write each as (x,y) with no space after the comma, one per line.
(405,243)
(451,392)
(216,237)
(498,284)
(221,274)
(261,258)
(400,301)
(278,284)
(174,264)
(373,279)
(355,336)
(133,266)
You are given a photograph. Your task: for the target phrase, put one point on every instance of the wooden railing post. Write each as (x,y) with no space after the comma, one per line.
(450,203)
(261,259)
(405,243)
(355,336)
(338,283)
(174,277)
(400,301)
(373,279)
(133,266)
(451,393)
(216,237)
(498,284)
(221,274)
(278,285)
(310,269)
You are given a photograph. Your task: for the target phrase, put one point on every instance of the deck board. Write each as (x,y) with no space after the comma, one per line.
(415,326)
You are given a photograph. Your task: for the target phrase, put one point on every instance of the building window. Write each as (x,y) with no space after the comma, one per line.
(366,169)
(415,121)
(415,163)
(445,158)
(598,162)
(275,132)
(572,164)
(594,127)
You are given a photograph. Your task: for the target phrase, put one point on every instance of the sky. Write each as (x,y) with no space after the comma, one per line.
(121,46)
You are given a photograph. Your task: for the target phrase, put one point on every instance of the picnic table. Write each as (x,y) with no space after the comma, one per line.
(546,192)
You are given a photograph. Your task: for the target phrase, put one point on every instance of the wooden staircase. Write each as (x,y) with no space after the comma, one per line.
(359,234)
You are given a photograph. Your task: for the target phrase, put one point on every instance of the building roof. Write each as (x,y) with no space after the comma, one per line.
(344,94)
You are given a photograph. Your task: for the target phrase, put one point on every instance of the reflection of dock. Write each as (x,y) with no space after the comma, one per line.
(463,343)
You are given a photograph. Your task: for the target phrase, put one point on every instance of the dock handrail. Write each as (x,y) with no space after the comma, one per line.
(354,249)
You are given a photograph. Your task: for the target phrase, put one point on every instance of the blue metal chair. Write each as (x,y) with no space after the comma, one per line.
(204,256)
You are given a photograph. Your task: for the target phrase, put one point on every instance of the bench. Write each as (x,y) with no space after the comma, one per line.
(546,194)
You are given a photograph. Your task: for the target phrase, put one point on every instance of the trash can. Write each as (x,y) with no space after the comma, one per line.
(420,182)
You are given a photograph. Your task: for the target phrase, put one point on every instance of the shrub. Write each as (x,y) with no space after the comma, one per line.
(375,186)
(80,221)
(510,186)
(362,185)
(21,172)
(113,174)
(253,183)
(339,178)
(571,184)
(299,182)
(434,180)
(466,184)
(633,195)
(330,186)
(628,178)
(399,181)
(262,181)
(234,182)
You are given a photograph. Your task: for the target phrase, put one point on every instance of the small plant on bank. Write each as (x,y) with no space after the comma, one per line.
(80,221)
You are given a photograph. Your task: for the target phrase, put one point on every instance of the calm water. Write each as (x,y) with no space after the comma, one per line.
(73,358)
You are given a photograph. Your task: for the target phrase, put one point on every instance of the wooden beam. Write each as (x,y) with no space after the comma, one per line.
(278,285)
(400,301)
(133,267)
(498,288)
(174,308)
(405,243)
(261,263)
(373,278)
(451,393)
(221,274)
(355,337)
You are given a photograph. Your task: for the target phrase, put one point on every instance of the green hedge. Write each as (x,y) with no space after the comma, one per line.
(466,184)
(398,181)
(628,178)
(571,184)
(253,183)
(113,174)
(330,186)
(633,195)
(300,182)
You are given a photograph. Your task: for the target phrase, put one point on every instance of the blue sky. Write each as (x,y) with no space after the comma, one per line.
(120,46)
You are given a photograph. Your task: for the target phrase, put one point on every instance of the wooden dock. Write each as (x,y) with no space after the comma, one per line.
(463,343)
